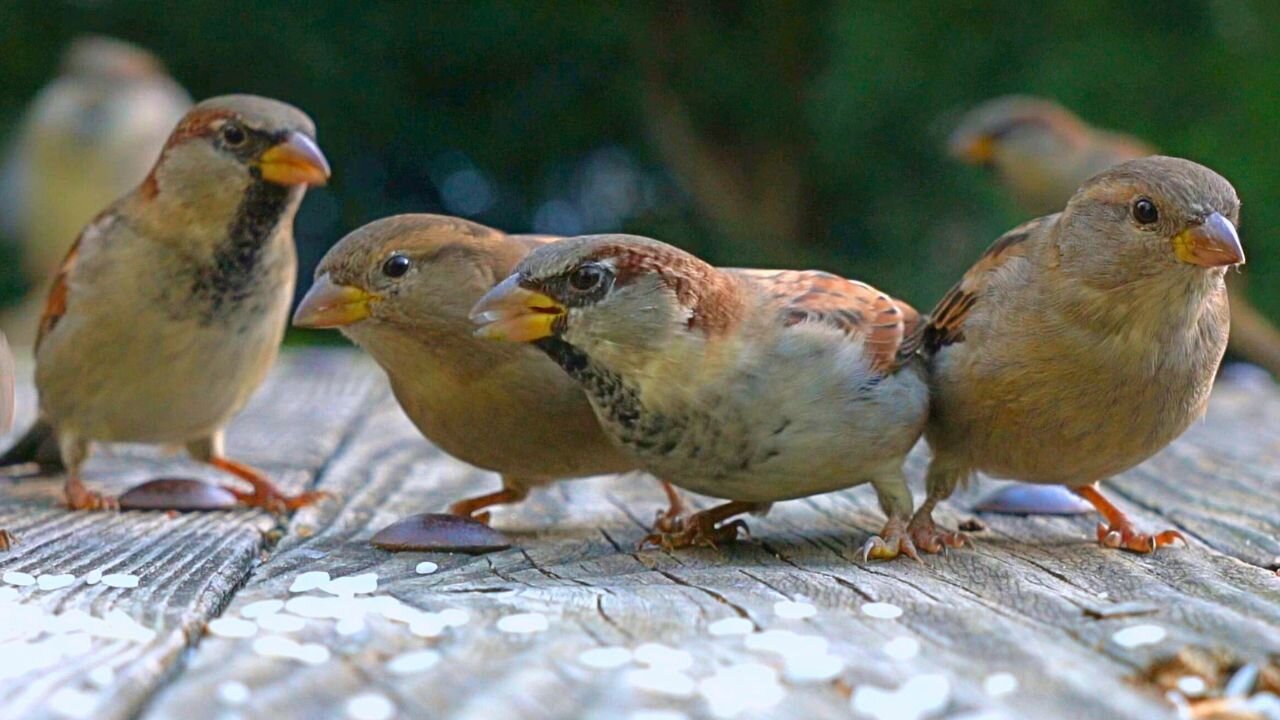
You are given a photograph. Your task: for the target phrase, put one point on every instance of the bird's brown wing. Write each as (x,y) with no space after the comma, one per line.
(55,305)
(945,325)
(854,308)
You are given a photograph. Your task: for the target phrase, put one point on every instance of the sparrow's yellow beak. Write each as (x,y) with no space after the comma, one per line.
(510,312)
(972,149)
(328,305)
(295,161)
(1212,243)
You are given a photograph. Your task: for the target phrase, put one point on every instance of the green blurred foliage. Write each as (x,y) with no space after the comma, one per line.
(823,123)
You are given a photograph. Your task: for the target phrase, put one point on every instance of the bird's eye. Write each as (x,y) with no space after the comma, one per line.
(233,135)
(1145,212)
(396,266)
(586,277)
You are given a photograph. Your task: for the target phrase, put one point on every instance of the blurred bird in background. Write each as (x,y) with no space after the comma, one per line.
(89,136)
(1041,153)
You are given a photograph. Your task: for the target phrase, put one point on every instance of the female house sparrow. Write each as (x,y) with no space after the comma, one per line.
(169,309)
(401,288)
(1041,153)
(750,385)
(89,136)
(1083,342)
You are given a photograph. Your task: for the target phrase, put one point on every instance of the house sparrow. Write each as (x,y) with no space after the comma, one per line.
(6,412)
(169,309)
(1041,153)
(750,385)
(1083,342)
(401,289)
(90,136)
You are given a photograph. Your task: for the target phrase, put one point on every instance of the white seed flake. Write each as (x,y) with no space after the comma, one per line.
(657,655)
(919,697)
(349,626)
(120,580)
(812,667)
(522,623)
(882,610)
(426,567)
(309,581)
(255,610)
(93,578)
(1192,685)
(102,677)
(229,627)
(21,579)
(731,626)
(1139,635)
(793,610)
(55,582)
(661,682)
(902,648)
(352,585)
(454,617)
(785,643)
(73,703)
(370,706)
(741,688)
(415,661)
(999,684)
(281,623)
(605,658)
(233,693)
(282,647)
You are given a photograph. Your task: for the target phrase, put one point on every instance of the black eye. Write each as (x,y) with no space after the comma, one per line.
(586,277)
(396,265)
(233,135)
(1144,211)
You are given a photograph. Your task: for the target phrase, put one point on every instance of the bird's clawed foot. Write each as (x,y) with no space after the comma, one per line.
(893,540)
(670,520)
(695,531)
(80,497)
(265,494)
(1124,536)
(7,540)
(932,539)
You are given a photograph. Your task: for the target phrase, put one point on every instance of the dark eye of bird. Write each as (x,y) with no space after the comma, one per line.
(395,266)
(1144,211)
(586,277)
(233,135)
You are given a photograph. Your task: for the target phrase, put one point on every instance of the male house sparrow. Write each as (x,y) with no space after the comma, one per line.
(401,288)
(1041,153)
(1083,342)
(169,310)
(750,385)
(90,136)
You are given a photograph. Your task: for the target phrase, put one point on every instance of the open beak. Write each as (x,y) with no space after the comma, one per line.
(328,305)
(510,312)
(972,149)
(296,160)
(1212,243)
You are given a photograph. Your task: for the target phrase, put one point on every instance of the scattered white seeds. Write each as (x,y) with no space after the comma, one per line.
(233,693)
(659,655)
(102,677)
(349,626)
(661,682)
(55,582)
(1139,635)
(793,610)
(352,585)
(523,623)
(429,625)
(308,581)
(282,647)
(426,568)
(21,579)
(258,609)
(413,662)
(919,697)
(94,577)
(731,626)
(370,706)
(73,703)
(818,667)
(882,610)
(1242,682)
(9,595)
(902,648)
(605,658)
(1192,685)
(454,617)
(281,623)
(741,688)
(120,580)
(229,627)
(999,684)
(785,642)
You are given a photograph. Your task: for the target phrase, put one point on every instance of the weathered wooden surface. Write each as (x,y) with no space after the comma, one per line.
(1023,601)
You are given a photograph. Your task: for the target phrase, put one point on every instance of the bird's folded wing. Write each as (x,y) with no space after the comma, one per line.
(55,305)
(854,308)
(945,325)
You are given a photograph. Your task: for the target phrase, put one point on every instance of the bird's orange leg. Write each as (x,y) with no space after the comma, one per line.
(7,540)
(80,497)
(893,540)
(927,535)
(471,507)
(704,528)
(265,494)
(670,520)
(1118,531)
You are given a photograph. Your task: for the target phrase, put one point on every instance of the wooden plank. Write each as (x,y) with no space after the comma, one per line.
(1019,602)
(188,565)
